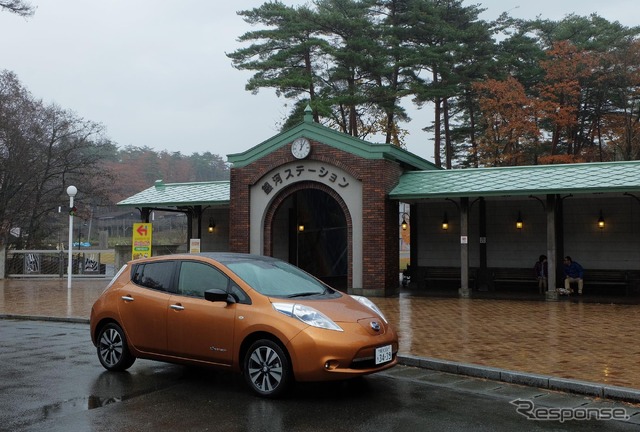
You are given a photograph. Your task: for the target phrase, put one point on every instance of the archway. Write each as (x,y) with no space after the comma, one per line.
(309,229)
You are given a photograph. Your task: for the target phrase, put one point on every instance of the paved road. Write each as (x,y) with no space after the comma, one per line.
(51,380)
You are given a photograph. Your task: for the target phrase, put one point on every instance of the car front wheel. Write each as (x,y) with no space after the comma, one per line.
(267,369)
(112,348)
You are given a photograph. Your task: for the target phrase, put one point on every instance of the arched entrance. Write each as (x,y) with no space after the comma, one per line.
(310,229)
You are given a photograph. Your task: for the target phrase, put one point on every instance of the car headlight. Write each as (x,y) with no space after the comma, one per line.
(371,305)
(307,315)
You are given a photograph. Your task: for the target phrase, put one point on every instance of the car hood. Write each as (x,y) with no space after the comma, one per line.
(343,309)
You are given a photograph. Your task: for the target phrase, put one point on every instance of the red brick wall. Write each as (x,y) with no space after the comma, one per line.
(380,226)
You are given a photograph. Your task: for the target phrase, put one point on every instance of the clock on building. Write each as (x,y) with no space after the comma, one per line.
(300,148)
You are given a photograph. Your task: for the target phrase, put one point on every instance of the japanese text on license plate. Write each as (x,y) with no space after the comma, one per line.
(383,354)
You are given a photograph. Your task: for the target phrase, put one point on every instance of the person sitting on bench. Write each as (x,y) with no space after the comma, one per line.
(542,273)
(573,272)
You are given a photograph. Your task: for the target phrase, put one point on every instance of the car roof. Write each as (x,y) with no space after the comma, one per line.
(228,257)
(221,257)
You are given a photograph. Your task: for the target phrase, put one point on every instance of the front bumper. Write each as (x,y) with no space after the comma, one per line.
(325,355)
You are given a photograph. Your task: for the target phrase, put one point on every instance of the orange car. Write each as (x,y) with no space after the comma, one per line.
(251,314)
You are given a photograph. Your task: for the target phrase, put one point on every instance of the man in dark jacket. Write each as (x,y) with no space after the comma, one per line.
(573,272)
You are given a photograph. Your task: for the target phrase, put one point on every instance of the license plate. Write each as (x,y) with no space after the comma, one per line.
(383,354)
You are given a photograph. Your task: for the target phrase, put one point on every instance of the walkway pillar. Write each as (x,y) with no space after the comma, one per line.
(464,290)
(3,259)
(482,275)
(551,294)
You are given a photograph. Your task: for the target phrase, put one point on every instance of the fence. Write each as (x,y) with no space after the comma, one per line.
(52,263)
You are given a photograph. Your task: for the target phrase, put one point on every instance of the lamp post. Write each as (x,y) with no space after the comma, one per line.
(71,191)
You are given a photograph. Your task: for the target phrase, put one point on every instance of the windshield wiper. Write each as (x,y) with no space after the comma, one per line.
(304,294)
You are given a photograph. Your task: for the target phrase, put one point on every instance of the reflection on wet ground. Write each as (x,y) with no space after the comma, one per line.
(49,297)
(577,340)
(570,338)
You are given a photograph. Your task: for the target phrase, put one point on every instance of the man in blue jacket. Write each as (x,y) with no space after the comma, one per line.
(573,272)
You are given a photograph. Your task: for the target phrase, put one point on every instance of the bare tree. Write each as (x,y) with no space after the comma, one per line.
(18,7)
(43,149)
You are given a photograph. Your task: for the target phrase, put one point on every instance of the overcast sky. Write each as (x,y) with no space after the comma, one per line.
(154,72)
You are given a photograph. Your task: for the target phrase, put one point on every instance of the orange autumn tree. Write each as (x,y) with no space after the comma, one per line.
(511,132)
(561,98)
(552,122)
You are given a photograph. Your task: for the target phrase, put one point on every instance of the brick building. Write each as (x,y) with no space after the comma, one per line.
(311,196)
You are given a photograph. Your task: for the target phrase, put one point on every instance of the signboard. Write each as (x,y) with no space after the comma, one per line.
(194,246)
(141,245)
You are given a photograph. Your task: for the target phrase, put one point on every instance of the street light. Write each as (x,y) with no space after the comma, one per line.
(71,191)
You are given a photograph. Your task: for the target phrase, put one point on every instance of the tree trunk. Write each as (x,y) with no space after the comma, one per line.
(472,137)
(436,137)
(448,149)
(312,91)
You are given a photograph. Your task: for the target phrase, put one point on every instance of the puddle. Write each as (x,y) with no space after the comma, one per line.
(78,404)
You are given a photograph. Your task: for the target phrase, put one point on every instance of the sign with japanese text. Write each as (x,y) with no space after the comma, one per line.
(287,174)
(141,244)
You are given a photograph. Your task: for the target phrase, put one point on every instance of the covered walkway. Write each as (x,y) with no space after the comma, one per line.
(500,220)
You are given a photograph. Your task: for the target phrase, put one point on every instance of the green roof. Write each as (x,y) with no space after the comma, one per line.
(181,194)
(317,132)
(520,180)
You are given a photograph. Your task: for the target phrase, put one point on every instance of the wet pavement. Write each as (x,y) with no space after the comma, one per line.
(574,344)
(51,380)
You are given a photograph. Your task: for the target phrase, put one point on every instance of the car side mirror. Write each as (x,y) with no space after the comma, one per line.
(216,295)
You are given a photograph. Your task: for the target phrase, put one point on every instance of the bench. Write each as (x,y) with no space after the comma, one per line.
(526,276)
(513,276)
(424,277)
(607,278)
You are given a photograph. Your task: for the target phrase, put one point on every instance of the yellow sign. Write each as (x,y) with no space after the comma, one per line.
(141,240)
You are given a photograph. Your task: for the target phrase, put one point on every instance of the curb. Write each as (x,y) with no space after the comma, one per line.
(586,388)
(44,318)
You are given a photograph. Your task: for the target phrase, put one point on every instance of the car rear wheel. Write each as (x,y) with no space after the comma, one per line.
(267,369)
(112,348)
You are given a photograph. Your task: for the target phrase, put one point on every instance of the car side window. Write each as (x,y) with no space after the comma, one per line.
(196,278)
(155,275)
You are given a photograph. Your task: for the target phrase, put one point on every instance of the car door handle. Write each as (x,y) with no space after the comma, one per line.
(176,307)
(127,298)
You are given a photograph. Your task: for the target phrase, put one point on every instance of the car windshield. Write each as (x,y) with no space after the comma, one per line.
(278,279)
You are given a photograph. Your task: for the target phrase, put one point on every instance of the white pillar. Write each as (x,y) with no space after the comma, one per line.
(71,191)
